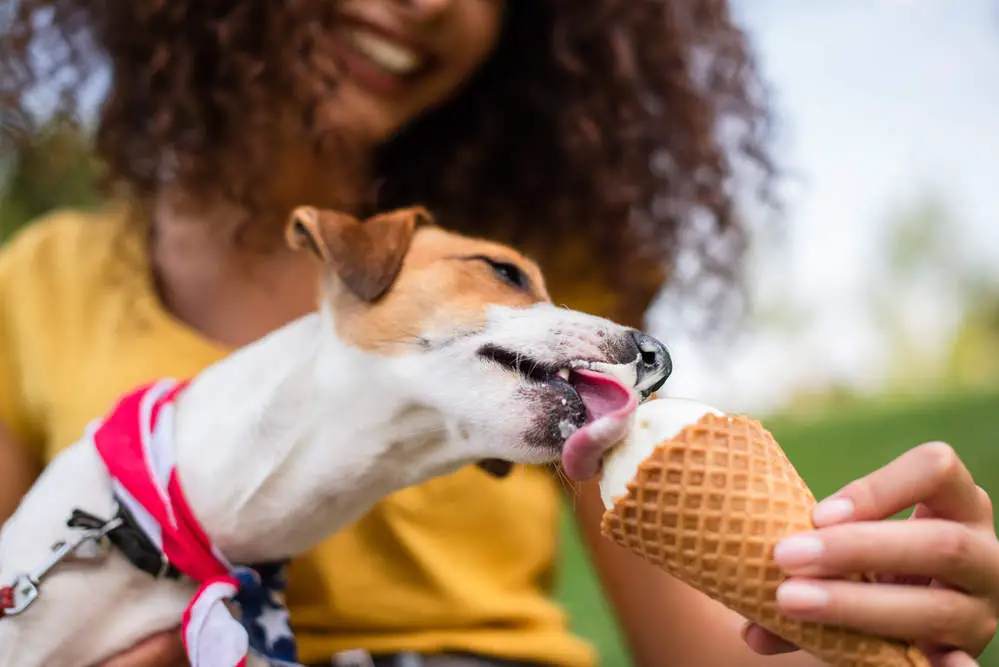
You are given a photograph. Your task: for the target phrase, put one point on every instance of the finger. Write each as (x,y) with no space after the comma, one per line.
(921,511)
(764,642)
(931,474)
(988,511)
(984,501)
(938,616)
(944,550)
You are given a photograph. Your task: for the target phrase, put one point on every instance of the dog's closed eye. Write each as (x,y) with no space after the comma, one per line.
(507,272)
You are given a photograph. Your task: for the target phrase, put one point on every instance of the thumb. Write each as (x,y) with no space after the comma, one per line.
(765,642)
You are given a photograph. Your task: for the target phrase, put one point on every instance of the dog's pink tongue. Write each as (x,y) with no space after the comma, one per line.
(609,403)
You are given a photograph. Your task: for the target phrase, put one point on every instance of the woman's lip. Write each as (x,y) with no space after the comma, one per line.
(359,67)
(366,74)
(391,33)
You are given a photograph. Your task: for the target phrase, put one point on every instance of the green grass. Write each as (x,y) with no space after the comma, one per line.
(829,451)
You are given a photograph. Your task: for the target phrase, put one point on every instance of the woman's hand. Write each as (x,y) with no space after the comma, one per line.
(164,649)
(937,572)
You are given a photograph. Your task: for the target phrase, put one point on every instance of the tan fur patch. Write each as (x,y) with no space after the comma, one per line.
(437,288)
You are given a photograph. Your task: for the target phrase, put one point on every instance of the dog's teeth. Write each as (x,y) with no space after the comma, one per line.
(563,373)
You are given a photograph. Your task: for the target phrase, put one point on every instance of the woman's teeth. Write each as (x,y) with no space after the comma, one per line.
(388,55)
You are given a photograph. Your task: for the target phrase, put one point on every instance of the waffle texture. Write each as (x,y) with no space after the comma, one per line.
(709,505)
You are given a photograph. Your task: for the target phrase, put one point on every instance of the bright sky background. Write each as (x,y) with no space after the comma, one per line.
(879,100)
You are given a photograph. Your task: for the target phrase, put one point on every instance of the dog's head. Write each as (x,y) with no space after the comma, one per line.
(466,328)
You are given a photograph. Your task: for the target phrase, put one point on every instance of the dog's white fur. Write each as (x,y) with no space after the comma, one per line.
(293,437)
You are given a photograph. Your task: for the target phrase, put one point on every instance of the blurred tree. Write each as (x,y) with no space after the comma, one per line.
(54,169)
(926,279)
(974,355)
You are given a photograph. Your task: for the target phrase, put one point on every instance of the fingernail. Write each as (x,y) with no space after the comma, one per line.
(801,596)
(798,551)
(832,510)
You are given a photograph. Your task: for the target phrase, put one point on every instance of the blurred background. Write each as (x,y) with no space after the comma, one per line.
(875,313)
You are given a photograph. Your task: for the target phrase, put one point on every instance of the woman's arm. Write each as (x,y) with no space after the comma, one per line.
(665,621)
(937,573)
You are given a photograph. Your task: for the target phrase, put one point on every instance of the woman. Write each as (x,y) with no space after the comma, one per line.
(577,130)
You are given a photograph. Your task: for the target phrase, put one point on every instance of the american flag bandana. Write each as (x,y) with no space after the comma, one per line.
(135,442)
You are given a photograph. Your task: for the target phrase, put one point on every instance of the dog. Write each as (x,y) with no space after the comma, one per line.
(428,351)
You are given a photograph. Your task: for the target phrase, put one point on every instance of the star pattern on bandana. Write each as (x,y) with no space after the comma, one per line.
(263,612)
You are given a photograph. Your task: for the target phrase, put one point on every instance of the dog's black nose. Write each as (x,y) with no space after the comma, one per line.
(654,363)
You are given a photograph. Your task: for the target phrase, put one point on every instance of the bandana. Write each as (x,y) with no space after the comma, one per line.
(135,442)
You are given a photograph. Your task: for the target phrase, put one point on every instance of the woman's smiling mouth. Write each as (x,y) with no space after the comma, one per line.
(378,59)
(391,56)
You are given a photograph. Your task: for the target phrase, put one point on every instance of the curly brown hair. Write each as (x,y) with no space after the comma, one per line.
(616,123)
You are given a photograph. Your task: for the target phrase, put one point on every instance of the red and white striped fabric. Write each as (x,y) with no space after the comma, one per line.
(136,443)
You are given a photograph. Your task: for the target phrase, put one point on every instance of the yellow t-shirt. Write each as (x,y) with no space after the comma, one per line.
(460,563)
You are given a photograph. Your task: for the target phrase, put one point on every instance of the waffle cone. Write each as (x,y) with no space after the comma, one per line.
(709,505)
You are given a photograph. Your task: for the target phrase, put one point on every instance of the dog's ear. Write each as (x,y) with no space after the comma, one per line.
(365,255)
(304,231)
(496,467)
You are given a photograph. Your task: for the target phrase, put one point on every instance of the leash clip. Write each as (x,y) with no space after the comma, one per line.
(24,590)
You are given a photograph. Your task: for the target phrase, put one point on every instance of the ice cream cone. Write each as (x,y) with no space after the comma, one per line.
(708,505)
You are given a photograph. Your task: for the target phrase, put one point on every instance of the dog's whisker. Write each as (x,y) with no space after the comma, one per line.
(567,484)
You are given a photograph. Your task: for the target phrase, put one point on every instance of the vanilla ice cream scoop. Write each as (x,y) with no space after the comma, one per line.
(656,420)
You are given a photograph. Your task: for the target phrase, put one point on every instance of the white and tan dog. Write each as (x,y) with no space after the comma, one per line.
(429,351)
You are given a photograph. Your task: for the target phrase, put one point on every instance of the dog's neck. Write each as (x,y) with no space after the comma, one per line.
(292,438)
